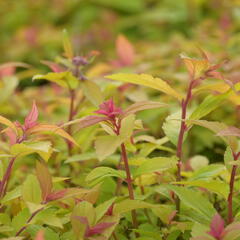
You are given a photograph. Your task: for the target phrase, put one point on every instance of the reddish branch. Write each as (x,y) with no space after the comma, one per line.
(28,221)
(231,189)
(4,182)
(183,129)
(70,118)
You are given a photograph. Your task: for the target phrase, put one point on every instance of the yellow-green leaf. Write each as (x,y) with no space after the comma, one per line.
(93,92)
(148,81)
(129,205)
(67,45)
(31,191)
(209,104)
(216,186)
(107,145)
(22,149)
(63,79)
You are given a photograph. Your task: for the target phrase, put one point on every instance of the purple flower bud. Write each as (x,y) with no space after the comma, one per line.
(78,61)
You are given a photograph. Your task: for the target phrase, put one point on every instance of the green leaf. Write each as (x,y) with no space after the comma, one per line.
(229,161)
(15,193)
(216,186)
(63,79)
(171,127)
(164,212)
(127,126)
(199,229)
(99,173)
(49,234)
(216,127)
(194,200)
(107,145)
(20,219)
(129,205)
(156,164)
(67,45)
(93,92)
(208,172)
(101,209)
(31,191)
(148,81)
(209,104)
(81,157)
(44,149)
(48,217)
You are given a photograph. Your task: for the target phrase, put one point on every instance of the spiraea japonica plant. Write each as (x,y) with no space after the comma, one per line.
(97,159)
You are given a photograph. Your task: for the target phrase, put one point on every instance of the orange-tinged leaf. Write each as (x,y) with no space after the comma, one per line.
(125,50)
(44,178)
(195,67)
(54,129)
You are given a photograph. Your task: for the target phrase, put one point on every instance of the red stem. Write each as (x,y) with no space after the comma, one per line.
(29,220)
(70,118)
(129,183)
(183,129)
(6,177)
(231,189)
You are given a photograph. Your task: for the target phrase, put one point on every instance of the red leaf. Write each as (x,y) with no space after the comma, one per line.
(110,210)
(98,228)
(125,50)
(109,109)
(31,119)
(56,195)
(217,226)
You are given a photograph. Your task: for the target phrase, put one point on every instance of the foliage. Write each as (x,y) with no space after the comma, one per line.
(131,141)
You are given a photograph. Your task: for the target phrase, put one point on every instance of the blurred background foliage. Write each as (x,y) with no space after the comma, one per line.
(31,30)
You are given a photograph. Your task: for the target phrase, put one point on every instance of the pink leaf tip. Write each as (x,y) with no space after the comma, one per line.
(216,226)
(31,119)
